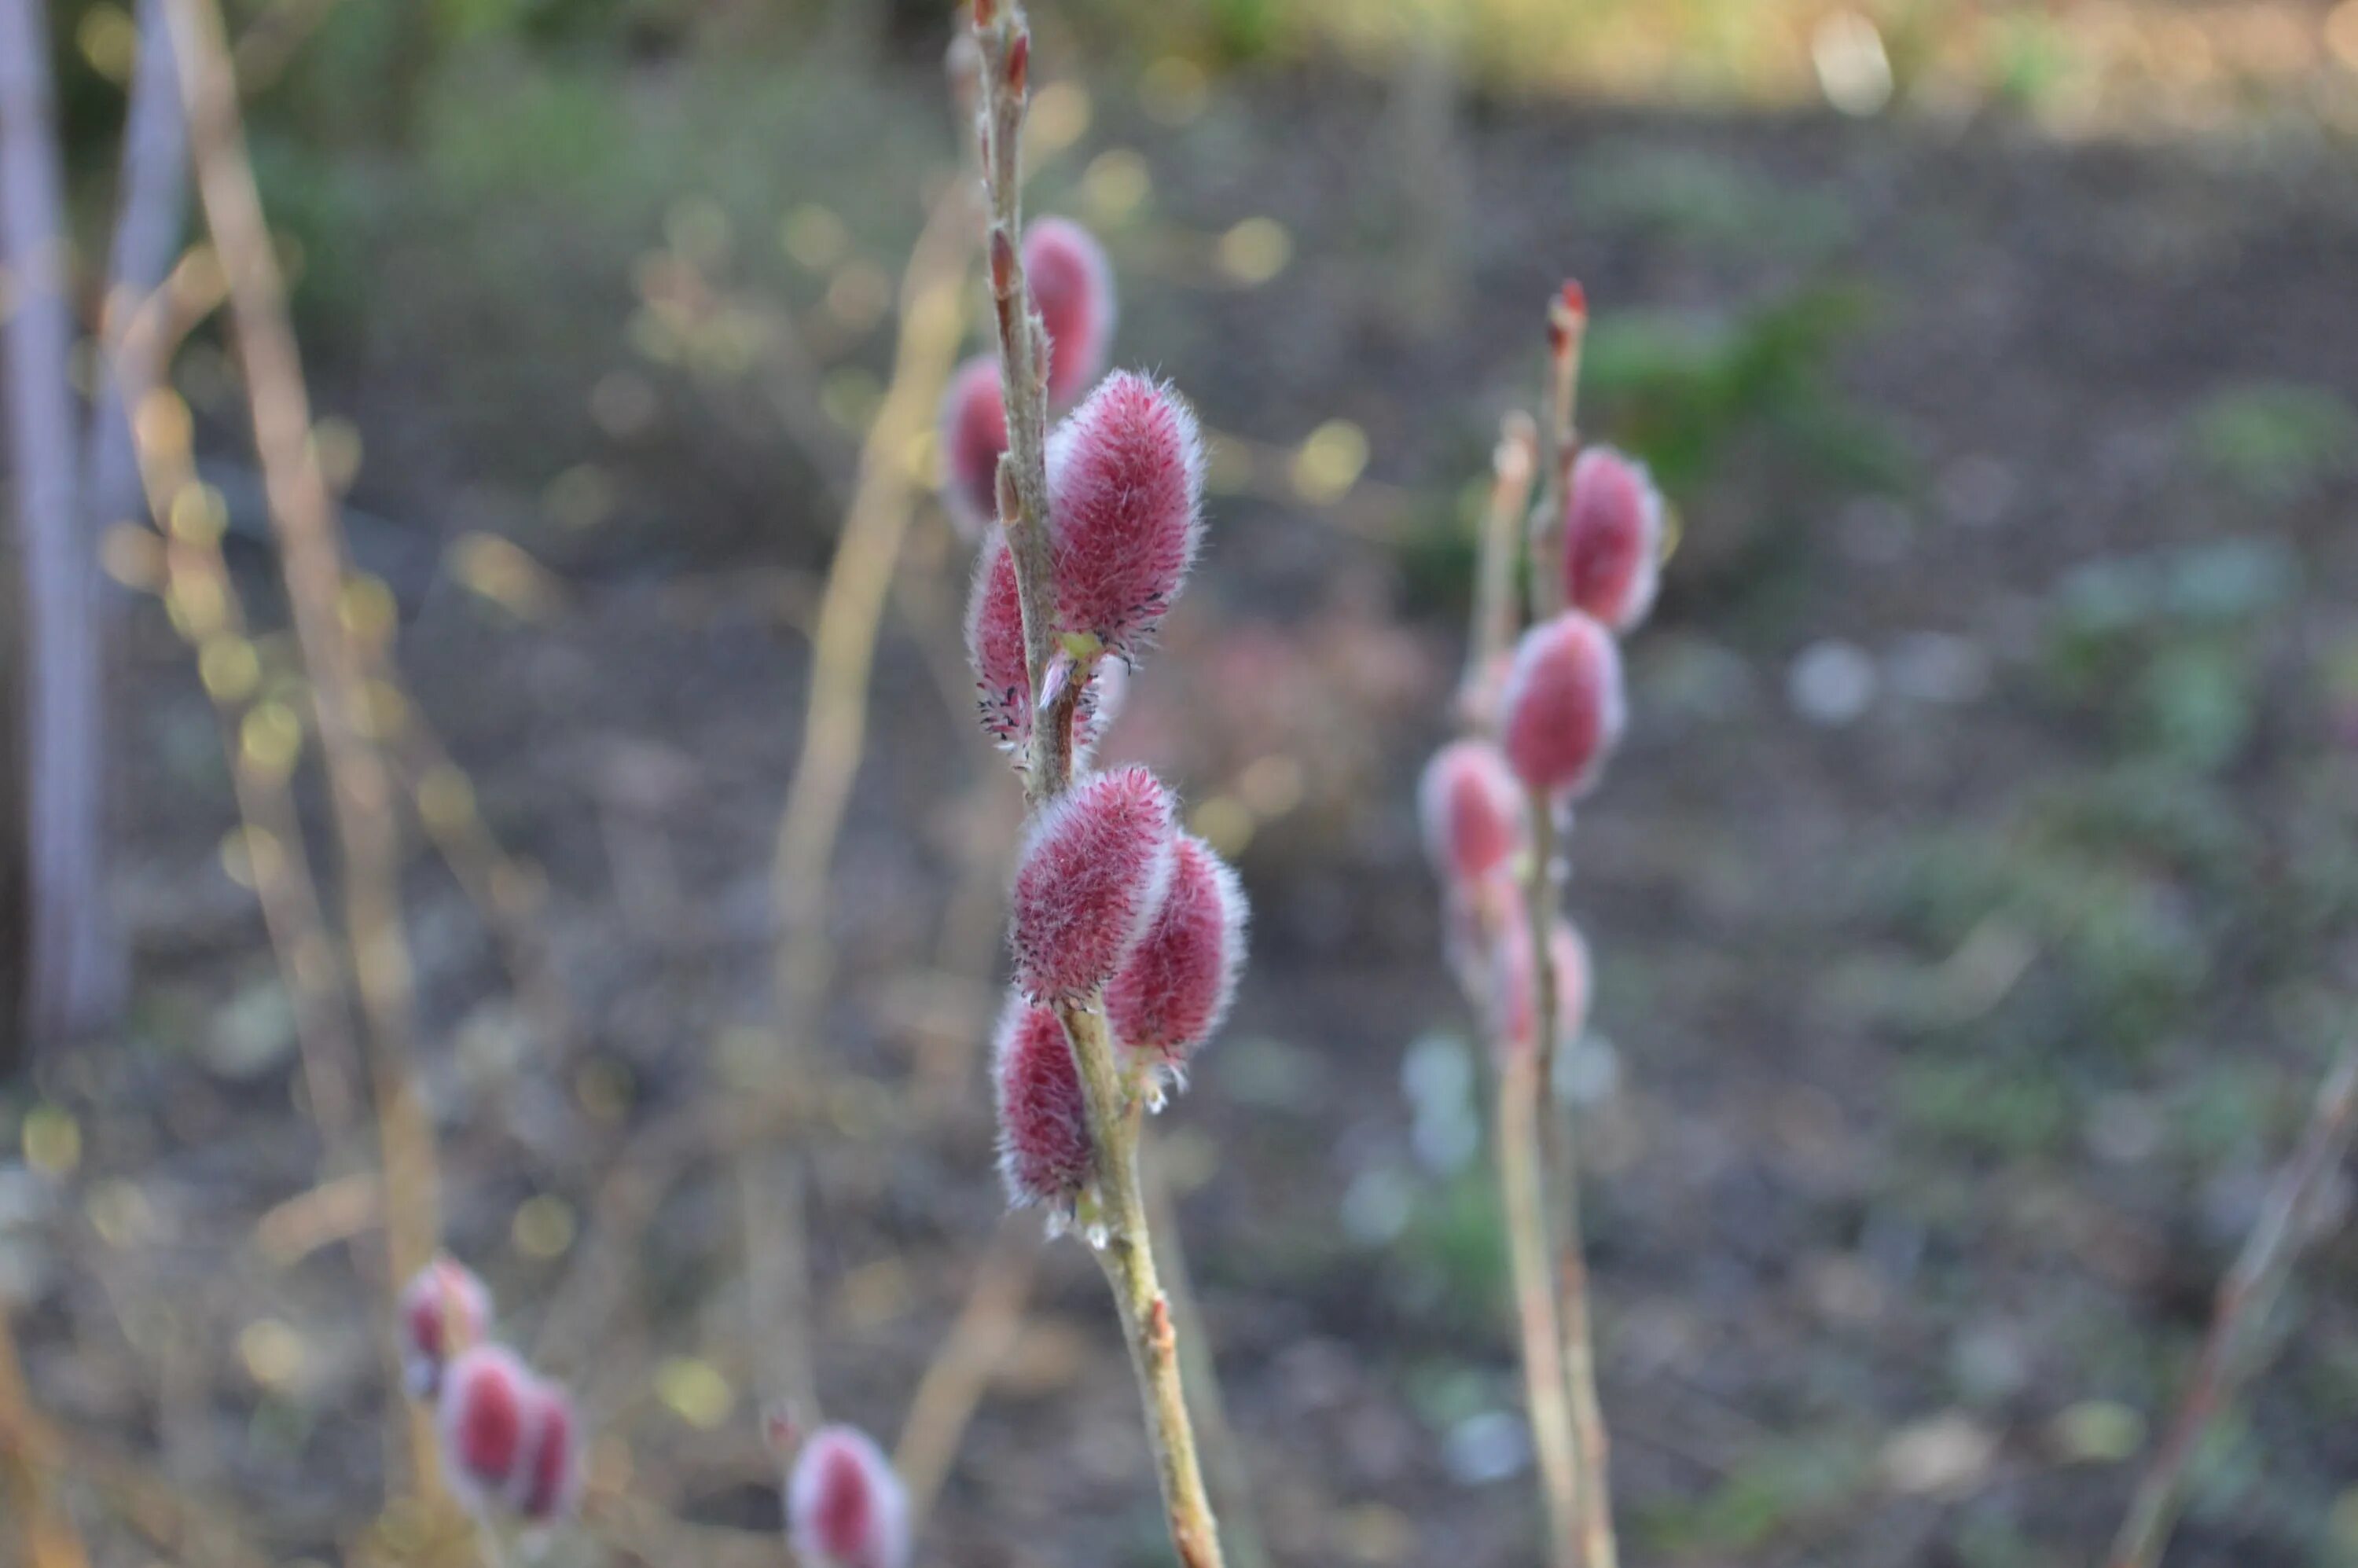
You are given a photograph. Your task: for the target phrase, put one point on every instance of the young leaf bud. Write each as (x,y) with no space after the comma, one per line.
(1175,988)
(1612,538)
(1044,1152)
(845,1506)
(1125,502)
(444,1309)
(1092,872)
(973,435)
(1472,811)
(1562,704)
(1072,287)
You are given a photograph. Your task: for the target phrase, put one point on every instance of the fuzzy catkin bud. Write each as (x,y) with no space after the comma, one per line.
(1172,994)
(1045,1155)
(1562,705)
(1125,503)
(1612,538)
(1093,870)
(548,1483)
(973,434)
(1472,812)
(994,645)
(444,1309)
(845,1506)
(509,1440)
(480,1422)
(1072,287)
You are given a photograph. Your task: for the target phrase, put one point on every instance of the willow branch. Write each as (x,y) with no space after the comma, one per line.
(834,738)
(312,557)
(2246,1297)
(1117,1228)
(1544,1390)
(1567,326)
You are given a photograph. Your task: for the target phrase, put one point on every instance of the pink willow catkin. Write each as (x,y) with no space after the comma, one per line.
(1109,899)
(509,1440)
(1072,287)
(443,1310)
(845,1505)
(1613,539)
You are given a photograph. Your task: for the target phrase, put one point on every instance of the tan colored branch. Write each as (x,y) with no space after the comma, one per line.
(963,1365)
(835,734)
(1491,638)
(303,515)
(1516,1134)
(2246,1296)
(1223,1460)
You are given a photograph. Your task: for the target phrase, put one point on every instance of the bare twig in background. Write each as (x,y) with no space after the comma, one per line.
(205,608)
(303,512)
(73,975)
(503,889)
(1513,463)
(969,1354)
(30,1468)
(151,195)
(835,732)
(2246,1296)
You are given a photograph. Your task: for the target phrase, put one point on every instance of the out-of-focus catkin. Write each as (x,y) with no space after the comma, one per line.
(1172,994)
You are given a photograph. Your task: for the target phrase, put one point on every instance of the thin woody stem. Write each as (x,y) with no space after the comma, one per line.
(1535,1306)
(1006,45)
(1113,1104)
(1568,327)
(1492,634)
(303,513)
(1127,1259)
(2245,1298)
(1560,1158)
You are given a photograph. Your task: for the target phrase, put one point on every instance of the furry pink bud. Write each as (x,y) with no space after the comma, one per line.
(444,1309)
(508,1439)
(1612,538)
(1093,870)
(548,1483)
(1172,994)
(1044,1152)
(481,1422)
(994,643)
(1562,704)
(973,435)
(1514,984)
(844,1505)
(1072,287)
(1472,811)
(1125,502)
